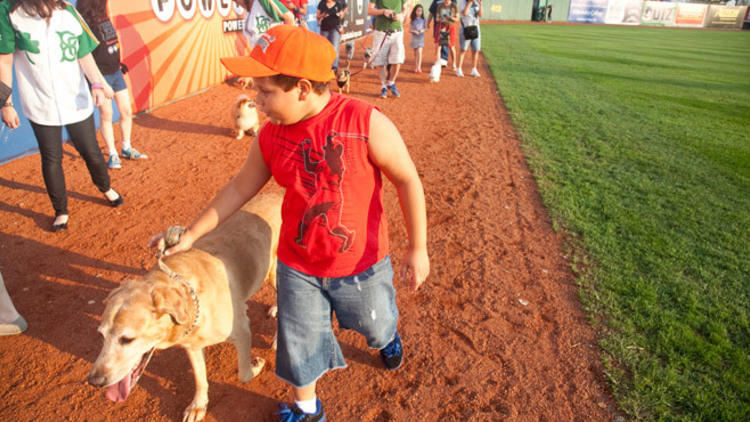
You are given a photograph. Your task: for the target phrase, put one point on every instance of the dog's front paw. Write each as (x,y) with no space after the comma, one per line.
(256,365)
(240,134)
(195,412)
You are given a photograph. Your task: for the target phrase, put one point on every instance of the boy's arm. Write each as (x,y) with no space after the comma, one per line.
(388,151)
(252,176)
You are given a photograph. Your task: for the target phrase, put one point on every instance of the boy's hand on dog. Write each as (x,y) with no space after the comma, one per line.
(185,243)
(416,267)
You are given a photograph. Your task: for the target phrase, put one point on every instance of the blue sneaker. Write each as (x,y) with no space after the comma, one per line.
(393,354)
(294,414)
(133,154)
(394,91)
(114,161)
(383,92)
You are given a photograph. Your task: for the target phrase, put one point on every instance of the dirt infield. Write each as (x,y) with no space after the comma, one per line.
(497,332)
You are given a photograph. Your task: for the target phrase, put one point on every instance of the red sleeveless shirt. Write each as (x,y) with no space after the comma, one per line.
(333,223)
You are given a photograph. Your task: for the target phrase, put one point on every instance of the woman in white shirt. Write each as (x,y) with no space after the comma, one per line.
(261,15)
(51,47)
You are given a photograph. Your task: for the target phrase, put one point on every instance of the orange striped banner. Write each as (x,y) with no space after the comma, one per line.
(172,47)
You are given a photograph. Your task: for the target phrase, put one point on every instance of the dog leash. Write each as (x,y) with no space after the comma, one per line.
(374,53)
(171,239)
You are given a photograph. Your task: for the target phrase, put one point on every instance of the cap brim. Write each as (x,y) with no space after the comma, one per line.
(247,66)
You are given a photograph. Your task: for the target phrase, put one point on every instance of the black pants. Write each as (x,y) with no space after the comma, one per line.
(83,137)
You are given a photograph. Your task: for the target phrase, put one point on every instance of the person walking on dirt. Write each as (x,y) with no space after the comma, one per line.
(51,47)
(107,57)
(447,17)
(471,11)
(330,15)
(418,27)
(432,20)
(346,146)
(388,41)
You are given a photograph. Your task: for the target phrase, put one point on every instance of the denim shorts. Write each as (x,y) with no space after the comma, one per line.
(307,347)
(476,43)
(116,81)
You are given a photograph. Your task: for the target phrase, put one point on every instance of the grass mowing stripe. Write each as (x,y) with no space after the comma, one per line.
(638,138)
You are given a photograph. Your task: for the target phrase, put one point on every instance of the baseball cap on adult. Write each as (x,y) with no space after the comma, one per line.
(288,50)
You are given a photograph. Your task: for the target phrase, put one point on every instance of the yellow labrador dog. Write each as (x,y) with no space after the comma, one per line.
(203,302)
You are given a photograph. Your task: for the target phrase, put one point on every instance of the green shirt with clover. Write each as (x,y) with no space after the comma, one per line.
(51,83)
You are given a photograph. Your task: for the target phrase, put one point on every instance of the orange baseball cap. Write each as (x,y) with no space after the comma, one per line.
(288,50)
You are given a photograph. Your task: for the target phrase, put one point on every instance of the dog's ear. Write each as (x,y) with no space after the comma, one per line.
(114,292)
(168,300)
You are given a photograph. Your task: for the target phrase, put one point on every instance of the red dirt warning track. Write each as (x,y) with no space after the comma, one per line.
(474,351)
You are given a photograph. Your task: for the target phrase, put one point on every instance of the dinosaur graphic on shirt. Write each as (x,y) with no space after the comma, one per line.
(326,203)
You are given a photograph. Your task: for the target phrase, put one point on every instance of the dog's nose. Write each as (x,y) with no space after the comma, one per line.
(96,379)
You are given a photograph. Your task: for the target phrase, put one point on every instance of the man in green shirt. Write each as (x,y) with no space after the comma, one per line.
(388,41)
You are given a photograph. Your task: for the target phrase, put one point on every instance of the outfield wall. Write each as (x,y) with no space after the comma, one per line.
(521,10)
(657,13)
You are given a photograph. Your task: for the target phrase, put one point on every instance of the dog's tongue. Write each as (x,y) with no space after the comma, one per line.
(119,392)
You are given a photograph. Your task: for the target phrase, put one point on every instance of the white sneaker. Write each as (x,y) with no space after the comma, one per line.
(459,73)
(443,62)
(474,72)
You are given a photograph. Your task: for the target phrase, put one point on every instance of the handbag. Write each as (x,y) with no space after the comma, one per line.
(471,32)
(445,37)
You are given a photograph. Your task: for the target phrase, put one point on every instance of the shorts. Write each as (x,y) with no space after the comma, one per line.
(475,43)
(116,81)
(307,347)
(390,51)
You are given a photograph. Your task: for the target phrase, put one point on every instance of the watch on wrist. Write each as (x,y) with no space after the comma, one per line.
(8,103)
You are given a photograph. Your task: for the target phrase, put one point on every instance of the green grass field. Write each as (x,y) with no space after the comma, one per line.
(639,139)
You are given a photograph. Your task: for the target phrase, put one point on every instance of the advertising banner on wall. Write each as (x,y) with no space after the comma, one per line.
(587,11)
(355,21)
(624,12)
(690,14)
(172,47)
(658,13)
(725,16)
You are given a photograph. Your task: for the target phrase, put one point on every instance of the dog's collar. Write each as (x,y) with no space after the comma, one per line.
(194,296)
(172,237)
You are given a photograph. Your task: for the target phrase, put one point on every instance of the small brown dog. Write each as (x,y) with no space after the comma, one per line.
(368,58)
(343,79)
(245,116)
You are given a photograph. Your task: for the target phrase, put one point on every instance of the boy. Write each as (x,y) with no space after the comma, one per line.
(328,151)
